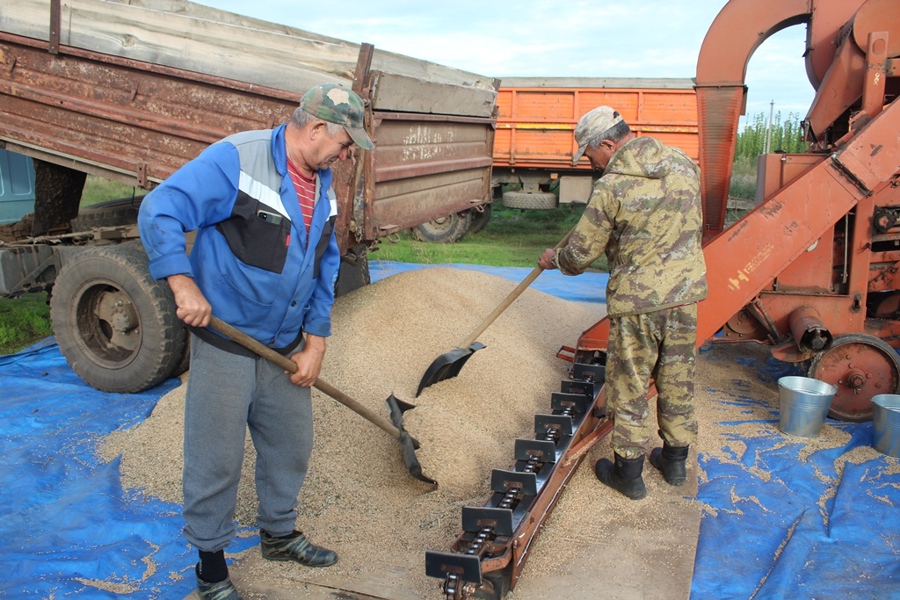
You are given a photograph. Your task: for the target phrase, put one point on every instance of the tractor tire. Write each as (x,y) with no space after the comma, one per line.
(121,211)
(444,230)
(480,218)
(115,324)
(184,363)
(524,200)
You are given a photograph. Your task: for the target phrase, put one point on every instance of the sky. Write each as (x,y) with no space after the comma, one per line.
(551,38)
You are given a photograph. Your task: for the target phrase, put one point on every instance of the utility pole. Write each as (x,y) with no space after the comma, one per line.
(768,148)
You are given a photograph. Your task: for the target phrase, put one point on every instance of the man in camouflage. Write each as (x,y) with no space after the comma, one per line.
(264,259)
(645,215)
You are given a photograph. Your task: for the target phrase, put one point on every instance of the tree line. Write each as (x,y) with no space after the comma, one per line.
(758,137)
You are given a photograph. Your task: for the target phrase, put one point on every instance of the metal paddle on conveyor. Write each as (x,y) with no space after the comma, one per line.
(397,407)
(449,364)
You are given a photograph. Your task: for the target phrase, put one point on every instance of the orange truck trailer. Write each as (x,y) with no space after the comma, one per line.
(535,141)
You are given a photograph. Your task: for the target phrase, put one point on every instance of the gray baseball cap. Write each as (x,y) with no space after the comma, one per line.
(334,103)
(592,125)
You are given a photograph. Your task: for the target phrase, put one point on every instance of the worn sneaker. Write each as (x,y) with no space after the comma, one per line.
(296,548)
(221,590)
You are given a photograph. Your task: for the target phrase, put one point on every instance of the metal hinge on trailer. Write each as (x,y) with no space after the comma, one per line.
(486,559)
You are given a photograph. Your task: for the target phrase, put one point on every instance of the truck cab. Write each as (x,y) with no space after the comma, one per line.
(16,186)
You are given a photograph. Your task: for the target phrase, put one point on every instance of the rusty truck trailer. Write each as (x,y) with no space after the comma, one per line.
(130,91)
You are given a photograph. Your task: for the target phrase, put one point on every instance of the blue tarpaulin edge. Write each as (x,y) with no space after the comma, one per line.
(69,527)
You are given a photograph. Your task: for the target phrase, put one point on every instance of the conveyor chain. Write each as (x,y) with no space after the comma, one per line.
(487,556)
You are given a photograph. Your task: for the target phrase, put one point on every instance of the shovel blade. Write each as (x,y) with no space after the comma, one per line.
(408,444)
(447,365)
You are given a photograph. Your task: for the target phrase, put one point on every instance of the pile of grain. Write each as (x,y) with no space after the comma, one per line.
(359,500)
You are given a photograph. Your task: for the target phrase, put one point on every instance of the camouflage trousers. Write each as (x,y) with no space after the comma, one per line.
(659,346)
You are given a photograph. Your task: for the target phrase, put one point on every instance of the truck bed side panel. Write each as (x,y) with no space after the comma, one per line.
(535,125)
(137,89)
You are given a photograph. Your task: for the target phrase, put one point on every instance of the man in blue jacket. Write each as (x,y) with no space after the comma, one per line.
(265,260)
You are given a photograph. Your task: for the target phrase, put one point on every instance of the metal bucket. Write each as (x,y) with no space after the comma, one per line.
(886,418)
(805,403)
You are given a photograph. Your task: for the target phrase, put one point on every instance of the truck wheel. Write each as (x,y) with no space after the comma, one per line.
(480,219)
(444,230)
(525,200)
(184,363)
(121,211)
(113,322)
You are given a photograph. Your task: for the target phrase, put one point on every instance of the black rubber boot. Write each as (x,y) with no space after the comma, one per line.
(623,476)
(671,461)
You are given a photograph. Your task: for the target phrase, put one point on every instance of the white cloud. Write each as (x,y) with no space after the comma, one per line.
(548,38)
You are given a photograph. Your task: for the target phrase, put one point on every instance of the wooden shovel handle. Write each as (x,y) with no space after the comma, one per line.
(511,297)
(288,365)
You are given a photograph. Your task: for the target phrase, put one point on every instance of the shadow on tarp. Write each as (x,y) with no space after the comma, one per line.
(68,528)
(805,531)
(587,287)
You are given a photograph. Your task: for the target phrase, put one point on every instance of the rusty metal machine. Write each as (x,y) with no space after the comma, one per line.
(809,271)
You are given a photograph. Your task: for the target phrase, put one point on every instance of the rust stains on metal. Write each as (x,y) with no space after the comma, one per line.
(771,208)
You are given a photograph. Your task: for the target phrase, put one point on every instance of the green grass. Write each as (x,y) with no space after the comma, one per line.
(743,179)
(98,189)
(23,321)
(512,238)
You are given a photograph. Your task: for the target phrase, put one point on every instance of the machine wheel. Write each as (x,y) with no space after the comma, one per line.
(444,230)
(480,218)
(114,323)
(524,200)
(861,366)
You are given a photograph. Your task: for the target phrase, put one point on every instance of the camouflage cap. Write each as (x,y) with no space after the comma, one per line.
(591,126)
(334,103)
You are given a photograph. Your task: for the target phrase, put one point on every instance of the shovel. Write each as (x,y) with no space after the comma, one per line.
(408,444)
(449,364)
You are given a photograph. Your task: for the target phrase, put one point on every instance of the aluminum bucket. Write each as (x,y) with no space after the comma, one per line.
(886,418)
(805,403)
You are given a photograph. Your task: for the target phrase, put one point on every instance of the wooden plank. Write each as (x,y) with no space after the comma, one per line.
(29,18)
(204,46)
(181,34)
(406,94)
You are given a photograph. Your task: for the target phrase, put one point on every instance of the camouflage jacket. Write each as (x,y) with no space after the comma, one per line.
(645,214)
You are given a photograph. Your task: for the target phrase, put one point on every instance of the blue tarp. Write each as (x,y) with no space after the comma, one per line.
(69,524)
(587,287)
(785,527)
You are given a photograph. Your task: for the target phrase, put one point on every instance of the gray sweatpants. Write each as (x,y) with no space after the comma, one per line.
(226,394)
